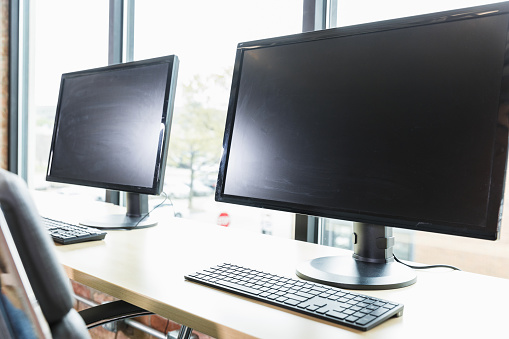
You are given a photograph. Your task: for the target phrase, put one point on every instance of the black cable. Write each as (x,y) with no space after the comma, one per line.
(166,328)
(153,209)
(172,206)
(425,267)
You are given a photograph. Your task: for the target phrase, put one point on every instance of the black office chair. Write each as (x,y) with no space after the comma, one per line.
(49,283)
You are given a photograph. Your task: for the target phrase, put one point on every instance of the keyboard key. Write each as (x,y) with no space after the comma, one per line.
(292,302)
(296,297)
(379,311)
(238,287)
(323,310)
(313,307)
(366,319)
(337,315)
(352,318)
(304,304)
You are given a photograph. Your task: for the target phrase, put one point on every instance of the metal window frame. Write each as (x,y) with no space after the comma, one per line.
(13,86)
(18,61)
(116,32)
(115,56)
(121,31)
(314,18)
(314,15)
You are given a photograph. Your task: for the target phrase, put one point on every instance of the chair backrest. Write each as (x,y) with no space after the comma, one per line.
(20,313)
(36,250)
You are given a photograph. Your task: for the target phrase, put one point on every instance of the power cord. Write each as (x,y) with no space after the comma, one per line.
(425,267)
(152,210)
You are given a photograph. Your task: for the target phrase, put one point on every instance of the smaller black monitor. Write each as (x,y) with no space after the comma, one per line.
(111,131)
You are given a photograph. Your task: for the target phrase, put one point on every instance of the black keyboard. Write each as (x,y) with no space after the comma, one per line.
(65,233)
(317,300)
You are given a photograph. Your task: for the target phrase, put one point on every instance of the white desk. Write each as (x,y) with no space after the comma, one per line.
(146,267)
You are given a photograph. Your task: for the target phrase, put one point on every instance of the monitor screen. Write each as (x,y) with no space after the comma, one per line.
(400,123)
(112,126)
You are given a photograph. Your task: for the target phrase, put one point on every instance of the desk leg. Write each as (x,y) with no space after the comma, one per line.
(185,332)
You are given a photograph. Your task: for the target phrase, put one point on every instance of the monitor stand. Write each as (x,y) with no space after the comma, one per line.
(137,215)
(371,267)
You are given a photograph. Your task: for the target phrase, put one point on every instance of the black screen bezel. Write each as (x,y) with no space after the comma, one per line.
(499,156)
(166,119)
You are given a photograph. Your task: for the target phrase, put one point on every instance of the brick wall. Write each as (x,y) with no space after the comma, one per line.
(154,321)
(4,83)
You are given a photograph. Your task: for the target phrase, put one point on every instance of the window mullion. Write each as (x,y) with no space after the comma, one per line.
(116,31)
(314,17)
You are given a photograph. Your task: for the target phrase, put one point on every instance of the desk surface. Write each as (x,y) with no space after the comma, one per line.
(146,267)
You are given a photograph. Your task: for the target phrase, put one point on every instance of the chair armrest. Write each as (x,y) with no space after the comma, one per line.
(111,311)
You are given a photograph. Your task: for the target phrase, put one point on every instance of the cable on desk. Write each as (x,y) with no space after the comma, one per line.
(425,267)
(152,210)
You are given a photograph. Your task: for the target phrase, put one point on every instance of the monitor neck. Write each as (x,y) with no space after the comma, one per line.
(137,204)
(372,243)
(371,267)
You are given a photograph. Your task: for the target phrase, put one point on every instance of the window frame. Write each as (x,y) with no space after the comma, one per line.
(315,15)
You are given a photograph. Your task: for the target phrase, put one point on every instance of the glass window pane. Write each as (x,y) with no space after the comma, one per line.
(66,36)
(204,35)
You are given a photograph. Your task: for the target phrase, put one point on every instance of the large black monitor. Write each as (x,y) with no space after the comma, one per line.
(112,127)
(401,123)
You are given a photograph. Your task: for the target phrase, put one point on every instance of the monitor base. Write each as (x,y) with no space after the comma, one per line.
(120,221)
(347,272)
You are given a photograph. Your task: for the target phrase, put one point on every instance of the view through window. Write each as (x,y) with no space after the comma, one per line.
(204,35)
(60,41)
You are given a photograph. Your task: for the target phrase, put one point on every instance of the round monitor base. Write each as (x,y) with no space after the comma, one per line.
(347,272)
(120,221)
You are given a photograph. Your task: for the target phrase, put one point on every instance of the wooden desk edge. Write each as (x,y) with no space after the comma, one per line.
(179,316)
